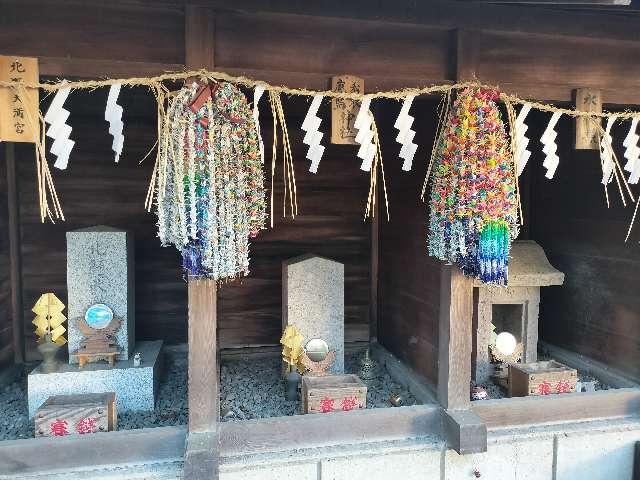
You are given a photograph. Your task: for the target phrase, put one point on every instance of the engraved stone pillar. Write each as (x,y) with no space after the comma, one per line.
(313,301)
(100,269)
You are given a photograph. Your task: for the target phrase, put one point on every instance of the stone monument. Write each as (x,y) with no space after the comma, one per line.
(100,270)
(313,301)
(100,281)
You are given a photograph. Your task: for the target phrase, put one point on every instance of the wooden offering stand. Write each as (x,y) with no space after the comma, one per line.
(98,344)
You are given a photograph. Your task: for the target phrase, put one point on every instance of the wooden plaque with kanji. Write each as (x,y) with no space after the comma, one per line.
(587,135)
(19,117)
(344,111)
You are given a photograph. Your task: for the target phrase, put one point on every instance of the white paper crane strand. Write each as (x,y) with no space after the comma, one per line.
(406,134)
(522,141)
(548,139)
(313,135)
(58,130)
(113,115)
(632,152)
(606,152)
(257,94)
(364,124)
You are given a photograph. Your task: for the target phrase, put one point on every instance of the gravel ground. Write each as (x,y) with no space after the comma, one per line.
(254,389)
(249,389)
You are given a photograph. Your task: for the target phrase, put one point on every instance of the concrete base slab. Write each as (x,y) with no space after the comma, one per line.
(135,387)
(530,460)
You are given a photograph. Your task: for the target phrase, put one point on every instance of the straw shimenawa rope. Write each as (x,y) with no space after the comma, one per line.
(155,81)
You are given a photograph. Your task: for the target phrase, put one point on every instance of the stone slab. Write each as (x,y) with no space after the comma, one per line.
(292,471)
(416,465)
(313,301)
(596,456)
(100,269)
(516,460)
(135,387)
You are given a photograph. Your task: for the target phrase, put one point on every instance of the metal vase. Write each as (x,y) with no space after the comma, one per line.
(293,380)
(48,349)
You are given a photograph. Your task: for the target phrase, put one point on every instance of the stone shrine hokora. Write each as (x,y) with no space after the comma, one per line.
(208,180)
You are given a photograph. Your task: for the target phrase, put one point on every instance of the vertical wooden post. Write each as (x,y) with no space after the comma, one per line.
(15,262)
(454,347)
(202,442)
(203,371)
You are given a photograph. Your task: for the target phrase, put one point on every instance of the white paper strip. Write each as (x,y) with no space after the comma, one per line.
(257,94)
(313,135)
(406,135)
(606,152)
(548,139)
(113,115)
(58,130)
(522,154)
(632,151)
(364,124)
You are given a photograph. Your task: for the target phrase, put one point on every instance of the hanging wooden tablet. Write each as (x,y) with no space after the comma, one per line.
(19,111)
(587,137)
(344,111)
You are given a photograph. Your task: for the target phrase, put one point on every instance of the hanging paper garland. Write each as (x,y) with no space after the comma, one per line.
(209,182)
(113,115)
(473,208)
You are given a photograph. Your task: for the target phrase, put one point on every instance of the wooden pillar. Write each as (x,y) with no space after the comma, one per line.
(15,262)
(202,443)
(454,346)
(465,431)
(203,371)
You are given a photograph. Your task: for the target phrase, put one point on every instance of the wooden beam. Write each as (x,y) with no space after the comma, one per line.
(466,55)
(271,435)
(15,256)
(23,458)
(568,407)
(92,68)
(454,347)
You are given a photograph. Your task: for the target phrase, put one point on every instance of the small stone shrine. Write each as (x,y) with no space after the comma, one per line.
(513,309)
(313,301)
(101,323)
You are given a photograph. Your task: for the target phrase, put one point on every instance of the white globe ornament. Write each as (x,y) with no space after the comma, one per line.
(506,343)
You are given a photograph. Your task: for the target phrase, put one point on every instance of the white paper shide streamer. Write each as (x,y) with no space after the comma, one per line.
(313,135)
(606,152)
(58,130)
(548,139)
(632,152)
(113,115)
(406,134)
(364,124)
(522,141)
(257,94)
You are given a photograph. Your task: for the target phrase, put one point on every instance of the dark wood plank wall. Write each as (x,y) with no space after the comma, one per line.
(533,51)
(597,310)
(409,280)
(6,330)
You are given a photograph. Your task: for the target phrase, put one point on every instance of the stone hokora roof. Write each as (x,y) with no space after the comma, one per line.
(529,267)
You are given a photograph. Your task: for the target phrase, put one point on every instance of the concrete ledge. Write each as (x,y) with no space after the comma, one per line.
(465,431)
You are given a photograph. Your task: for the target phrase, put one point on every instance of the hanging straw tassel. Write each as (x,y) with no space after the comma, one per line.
(443,114)
(511,116)
(160,92)
(370,211)
(288,173)
(46,187)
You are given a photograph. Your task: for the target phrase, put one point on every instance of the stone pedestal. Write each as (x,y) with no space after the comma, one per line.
(135,387)
(313,301)
(100,269)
